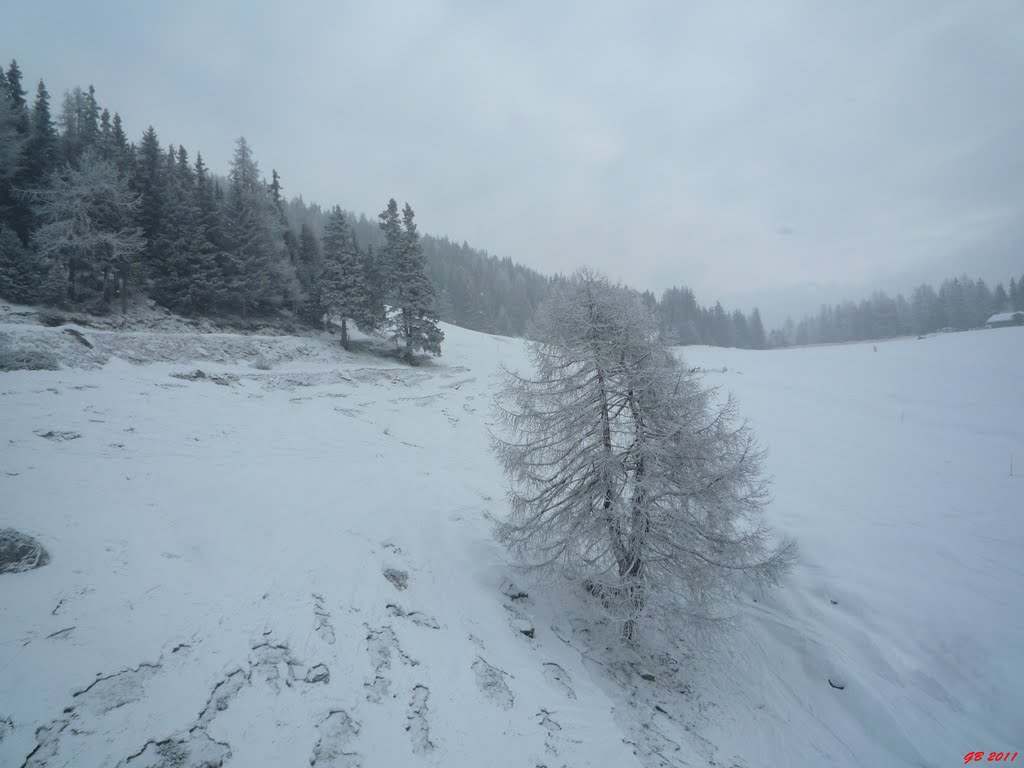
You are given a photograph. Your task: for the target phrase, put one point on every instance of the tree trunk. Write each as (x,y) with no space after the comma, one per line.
(344,333)
(71,279)
(124,294)
(640,525)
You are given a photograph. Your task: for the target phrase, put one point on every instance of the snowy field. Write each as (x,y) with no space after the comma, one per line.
(293,566)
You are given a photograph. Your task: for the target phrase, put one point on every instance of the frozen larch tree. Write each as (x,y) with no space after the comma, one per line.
(625,472)
(86,216)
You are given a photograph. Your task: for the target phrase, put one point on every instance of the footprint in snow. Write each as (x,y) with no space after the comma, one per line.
(399,579)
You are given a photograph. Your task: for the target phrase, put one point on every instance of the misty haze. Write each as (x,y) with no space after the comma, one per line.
(543,385)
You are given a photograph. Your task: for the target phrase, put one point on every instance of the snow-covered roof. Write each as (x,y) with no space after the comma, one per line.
(1004,317)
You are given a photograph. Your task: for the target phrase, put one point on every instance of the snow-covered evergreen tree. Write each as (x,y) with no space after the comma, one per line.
(308,270)
(374,314)
(343,291)
(42,144)
(190,281)
(412,317)
(252,233)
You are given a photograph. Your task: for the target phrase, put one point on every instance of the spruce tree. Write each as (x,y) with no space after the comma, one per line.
(252,233)
(343,289)
(42,145)
(756,329)
(149,183)
(374,315)
(24,277)
(72,122)
(308,270)
(16,93)
(90,127)
(12,148)
(190,282)
(123,155)
(412,316)
(19,213)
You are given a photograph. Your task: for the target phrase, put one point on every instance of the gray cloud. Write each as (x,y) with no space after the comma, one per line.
(743,149)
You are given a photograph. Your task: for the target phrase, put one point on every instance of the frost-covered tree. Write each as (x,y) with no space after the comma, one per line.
(412,317)
(87,216)
(42,145)
(308,269)
(252,233)
(625,472)
(374,313)
(190,280)
(12,147)
(24,277)
(343,292)
(150,185)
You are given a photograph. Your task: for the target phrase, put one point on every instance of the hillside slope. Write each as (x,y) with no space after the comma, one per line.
(293,566)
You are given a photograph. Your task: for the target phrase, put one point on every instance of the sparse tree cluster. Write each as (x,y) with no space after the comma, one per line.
(625,472)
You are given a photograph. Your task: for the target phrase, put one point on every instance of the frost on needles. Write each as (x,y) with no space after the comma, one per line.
(625,472)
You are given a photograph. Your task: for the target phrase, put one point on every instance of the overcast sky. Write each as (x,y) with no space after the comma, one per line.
(750,150)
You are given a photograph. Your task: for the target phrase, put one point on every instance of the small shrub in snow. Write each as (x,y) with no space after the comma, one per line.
(25,359)
(51,318)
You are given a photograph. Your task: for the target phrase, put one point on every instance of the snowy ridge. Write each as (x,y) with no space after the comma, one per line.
(294,566)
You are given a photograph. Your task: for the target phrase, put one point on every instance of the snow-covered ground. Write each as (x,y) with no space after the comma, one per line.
(293,566)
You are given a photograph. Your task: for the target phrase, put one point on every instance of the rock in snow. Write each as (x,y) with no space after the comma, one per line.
(20,552)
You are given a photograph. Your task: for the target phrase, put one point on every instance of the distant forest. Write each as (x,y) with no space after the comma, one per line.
(86,216)
(959,304)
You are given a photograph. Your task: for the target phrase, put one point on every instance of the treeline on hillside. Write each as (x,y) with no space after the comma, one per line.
(960,303)
(473,289)
(85,216)
(683,321)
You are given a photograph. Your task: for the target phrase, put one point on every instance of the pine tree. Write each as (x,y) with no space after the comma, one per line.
(343,289)
(24,277)
(42,145)
(287,279)
(149,183)
(16,93)
(252,234)
(173,286)
(739,322)
(72,125)
(374,315)
(757,338)
(123,154)
(12,148)
(12,201)
(391,256)
(412,317)
(308,270)
(90,126)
